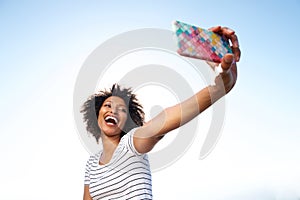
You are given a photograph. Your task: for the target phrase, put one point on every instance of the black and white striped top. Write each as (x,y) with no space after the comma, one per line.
(126,176)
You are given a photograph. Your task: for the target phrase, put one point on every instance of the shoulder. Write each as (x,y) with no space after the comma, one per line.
(128,140)
(93,159)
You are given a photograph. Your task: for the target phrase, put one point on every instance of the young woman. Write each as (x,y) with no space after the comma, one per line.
(121,170)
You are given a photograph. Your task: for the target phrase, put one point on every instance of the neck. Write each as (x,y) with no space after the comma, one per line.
(109,146)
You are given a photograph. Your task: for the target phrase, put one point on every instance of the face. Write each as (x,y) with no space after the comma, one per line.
(112,116)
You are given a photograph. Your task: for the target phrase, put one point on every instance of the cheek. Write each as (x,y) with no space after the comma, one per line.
(124,117)
(100,118)
(100,122)
(101,113)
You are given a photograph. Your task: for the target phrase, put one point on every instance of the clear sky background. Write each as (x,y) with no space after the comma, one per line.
(43,45)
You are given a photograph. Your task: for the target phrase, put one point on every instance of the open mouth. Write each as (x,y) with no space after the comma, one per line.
(111,120)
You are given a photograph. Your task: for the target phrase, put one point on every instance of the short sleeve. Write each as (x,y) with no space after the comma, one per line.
(87,172)
(129,142)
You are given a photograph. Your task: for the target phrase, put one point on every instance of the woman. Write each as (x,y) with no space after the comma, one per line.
(121,170)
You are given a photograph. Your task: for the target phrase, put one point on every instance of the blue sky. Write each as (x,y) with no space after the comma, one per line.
(43,45)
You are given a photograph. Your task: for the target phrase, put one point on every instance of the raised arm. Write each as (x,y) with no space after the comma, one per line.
(173,117)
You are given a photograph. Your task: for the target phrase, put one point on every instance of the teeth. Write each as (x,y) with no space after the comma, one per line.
(111,117)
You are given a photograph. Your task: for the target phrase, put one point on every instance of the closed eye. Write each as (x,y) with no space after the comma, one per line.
(123,110)
(108,105)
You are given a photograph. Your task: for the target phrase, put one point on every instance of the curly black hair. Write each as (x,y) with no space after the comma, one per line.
(90,110)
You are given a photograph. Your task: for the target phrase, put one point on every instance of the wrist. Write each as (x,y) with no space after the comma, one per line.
(216,92)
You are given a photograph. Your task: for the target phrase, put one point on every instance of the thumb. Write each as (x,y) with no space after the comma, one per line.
(227,61)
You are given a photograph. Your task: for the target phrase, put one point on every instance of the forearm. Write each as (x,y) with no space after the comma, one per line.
(178,115)
(198,103)
(173,117)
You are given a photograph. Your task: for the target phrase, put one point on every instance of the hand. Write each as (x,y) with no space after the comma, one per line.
(227,79)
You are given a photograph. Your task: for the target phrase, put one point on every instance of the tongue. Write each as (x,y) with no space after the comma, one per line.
(111,121)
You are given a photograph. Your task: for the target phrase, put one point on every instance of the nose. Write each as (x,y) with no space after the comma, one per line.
(114,110)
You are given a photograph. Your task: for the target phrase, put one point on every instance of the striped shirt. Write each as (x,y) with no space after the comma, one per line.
(126,176)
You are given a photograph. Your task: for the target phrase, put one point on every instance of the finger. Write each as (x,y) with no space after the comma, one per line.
(237,53)
(215,29)
(235,45)
(234,41)
(226,62)
(230,35)
(234,70)
(227,31)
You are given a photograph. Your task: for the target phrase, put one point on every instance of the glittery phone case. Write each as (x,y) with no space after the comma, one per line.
(196,42)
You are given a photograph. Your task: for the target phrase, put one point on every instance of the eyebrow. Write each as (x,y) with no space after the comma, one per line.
(112,102)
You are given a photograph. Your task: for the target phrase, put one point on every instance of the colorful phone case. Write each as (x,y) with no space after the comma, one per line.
(196,42)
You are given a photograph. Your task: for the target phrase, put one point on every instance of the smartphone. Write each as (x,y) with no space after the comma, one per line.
(196,42)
